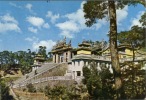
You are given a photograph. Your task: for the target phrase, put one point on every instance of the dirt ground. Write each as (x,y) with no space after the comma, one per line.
(29,96)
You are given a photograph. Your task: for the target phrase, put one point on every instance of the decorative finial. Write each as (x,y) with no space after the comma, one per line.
(69,43)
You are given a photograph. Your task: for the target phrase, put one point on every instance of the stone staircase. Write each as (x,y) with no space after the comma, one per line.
(44,68)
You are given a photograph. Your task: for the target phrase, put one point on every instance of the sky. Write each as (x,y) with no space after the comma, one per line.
(29,24)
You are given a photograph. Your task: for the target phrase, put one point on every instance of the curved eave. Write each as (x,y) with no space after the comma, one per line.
(62,49)
(96,49)
(61,46)
(84,44)
(81,48)
(124,46)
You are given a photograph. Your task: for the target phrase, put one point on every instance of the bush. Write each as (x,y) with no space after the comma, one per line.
(31,88)
(5,91)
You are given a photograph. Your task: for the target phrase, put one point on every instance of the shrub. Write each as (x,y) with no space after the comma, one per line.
(31,88)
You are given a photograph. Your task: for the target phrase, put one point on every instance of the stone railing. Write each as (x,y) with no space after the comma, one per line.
(40,71)
(104,58)
(130,59)
(41,80)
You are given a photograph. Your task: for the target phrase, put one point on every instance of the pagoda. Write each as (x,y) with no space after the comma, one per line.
(84,48)
(62,51)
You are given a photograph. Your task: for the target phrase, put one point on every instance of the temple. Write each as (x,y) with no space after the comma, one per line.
(87,53)
(71,61)
(38,61)
(62,51)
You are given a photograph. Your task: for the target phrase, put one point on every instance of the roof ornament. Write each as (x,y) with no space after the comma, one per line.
(102,43)
(69,43)
(57,43)
(64,40)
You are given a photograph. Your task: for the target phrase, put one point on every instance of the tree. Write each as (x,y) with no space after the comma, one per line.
(25,60)
(142,20)
(98,82)
(50,57)
(42,51)
(100,9)
(132,74)
(133,37)
(133,80)
(7,61)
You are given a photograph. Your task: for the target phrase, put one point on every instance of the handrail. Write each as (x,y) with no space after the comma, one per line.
(40,80)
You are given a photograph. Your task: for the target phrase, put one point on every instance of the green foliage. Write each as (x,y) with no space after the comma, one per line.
(5,91)
(134,37)
(7,60)
(98,9)
(18,60)
(55,93)
(40,90)
(86,74)
(99,83)
(25,60)
(31,88)
(133,80)
(143,20)
(42,51)
(74,92)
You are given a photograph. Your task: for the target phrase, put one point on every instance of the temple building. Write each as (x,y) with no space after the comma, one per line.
(85,54)
(124,51)
(62,51)
(38,61)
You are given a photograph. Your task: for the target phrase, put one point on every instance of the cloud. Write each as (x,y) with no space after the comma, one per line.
(36,43)
(14,5)
(33,30)
(7,18)
(76,22)
(135,21)
(52,17)
(8,23)
(29,6)
(32,39)
(122,14)
(78,18)
(37,22)
(46,25)
(66,34)
(68,26)
(48,43)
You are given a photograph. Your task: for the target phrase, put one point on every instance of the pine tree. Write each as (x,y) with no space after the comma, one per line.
(99,9)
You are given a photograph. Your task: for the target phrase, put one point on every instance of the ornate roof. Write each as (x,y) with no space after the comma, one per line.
(39,57)
(61,45)
(92,46)
(85,44)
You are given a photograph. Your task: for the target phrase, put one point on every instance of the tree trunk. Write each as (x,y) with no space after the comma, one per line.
(113,46)
(133,70)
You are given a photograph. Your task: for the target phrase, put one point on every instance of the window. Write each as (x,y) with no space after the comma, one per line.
(78,73)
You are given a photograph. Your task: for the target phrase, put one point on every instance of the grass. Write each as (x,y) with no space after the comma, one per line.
(9,79)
